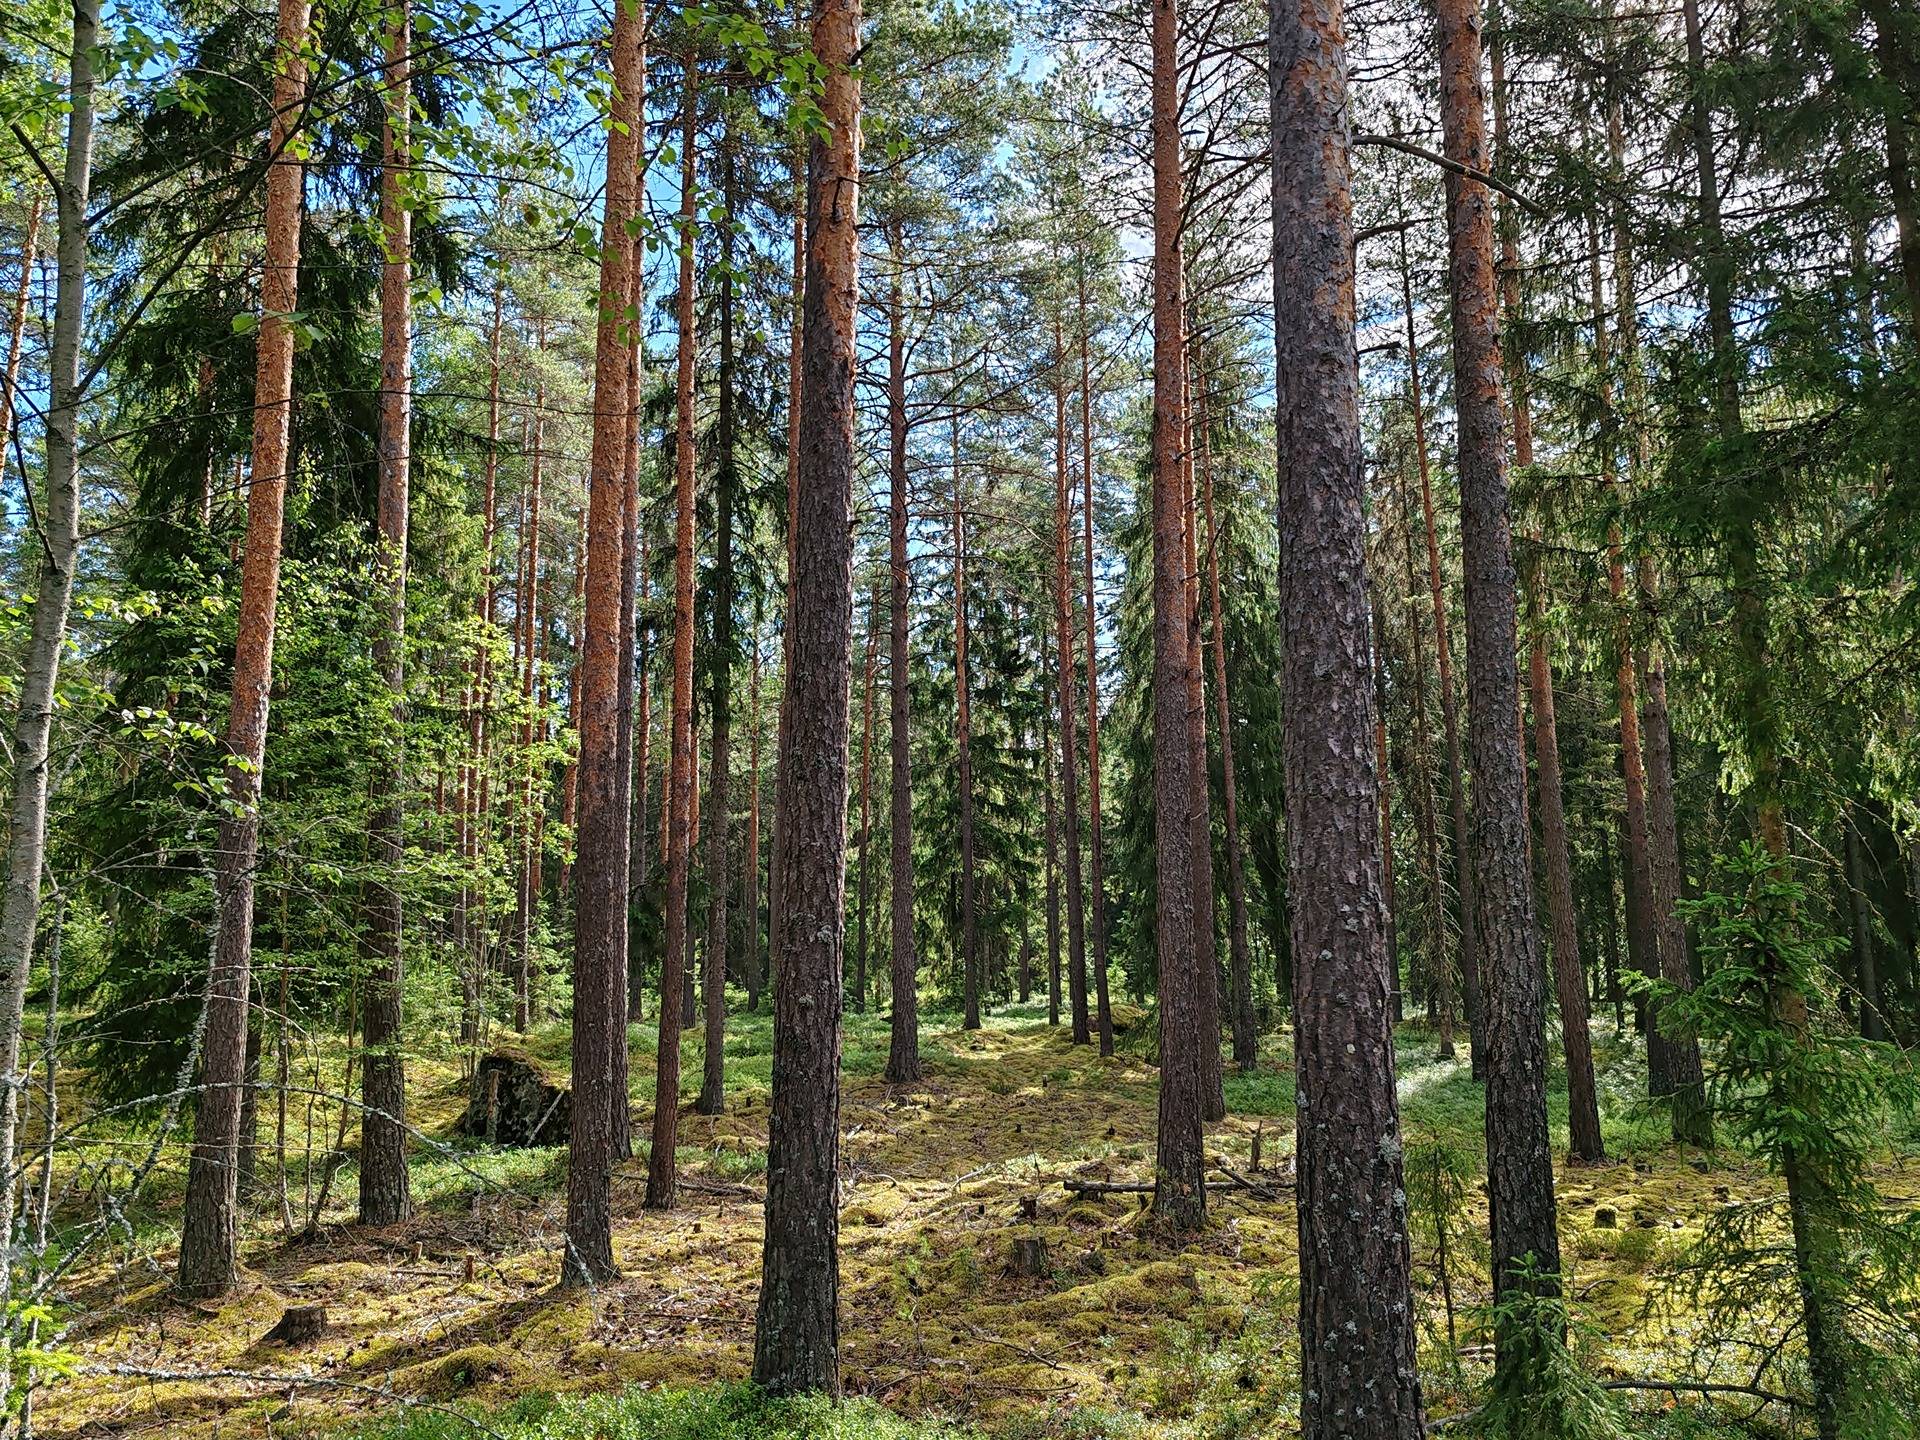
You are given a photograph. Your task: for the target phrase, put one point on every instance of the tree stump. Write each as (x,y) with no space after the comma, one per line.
(1605,1217)
(299,1325)
(1028,1259)
(513,1103)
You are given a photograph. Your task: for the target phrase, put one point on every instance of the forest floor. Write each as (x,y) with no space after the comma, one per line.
(1125,1335)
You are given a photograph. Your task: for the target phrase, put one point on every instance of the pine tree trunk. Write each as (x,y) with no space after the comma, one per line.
(1051,857)
(1463,858)
(600,948)
(752,976)
(1096,857)
(712,1099)
(866,801)
(795,382)
(1519,1160)
(528,819)
(1439,968)
(662,1172)
(209,1222)
(963,743)
(1076,955)
(1180,1195)
(903,1052)
(1246,1038)
(384,1195)
(1396,1000)
(796,1339)
(1206,952)
(1357,1343)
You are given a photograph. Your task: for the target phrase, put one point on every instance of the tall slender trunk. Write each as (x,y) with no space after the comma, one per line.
(529,817)
(1357,1344)
(795,381)
(1642,932)
(52,604)
(600,923)
(17,329)
(866,800)
(720,704)
(1396,1001)
(478,790)
(1860,912)
(1096,858)
(1051,856)
(662,1171)
(796,1340)
(903,1050)
(1206,952)
(210,1223)
(1063,676)
(384,1194)
(1180,1195)
(1246,1038)
(1463,859)
(1440,970)
(1506,936)
(642,663)
(1570,989)
(963,743)
(752,958)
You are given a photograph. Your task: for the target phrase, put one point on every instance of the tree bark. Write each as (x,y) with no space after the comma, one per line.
(712,1099)
(903,1051)
(600,948)
(385,1198)
(963,743)
(662,1172)
(59,535)
(866,801)
(1463,859)
(209,1223)
(528,819)
(1096,857)
(1396,1002)
(1076,955)
(1519,1161)
(1860,911)
(1357,1346)
(1206,951)
(1180,1195)
(1246,1038)
(1440,971)
(795,381)
(796,1339)
(1051,857)
(752,964)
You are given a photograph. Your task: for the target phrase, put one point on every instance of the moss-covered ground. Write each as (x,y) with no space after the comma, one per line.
(1126,1335)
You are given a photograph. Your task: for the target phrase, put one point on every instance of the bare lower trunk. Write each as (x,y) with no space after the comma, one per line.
(600,949)
(1519,1160)
(1439,968)
(795,384)
(796,1338)
(1096,856)
(209,1229)
(1180,1195)
(903,1053)
(1076,955)
(384,1194)
(1463,862)
(1206,951)
(662,1171)
(1357,1344)
(866,802)
(17,330)
(963,744)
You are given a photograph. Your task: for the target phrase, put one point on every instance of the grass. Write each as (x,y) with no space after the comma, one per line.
(1125,1338)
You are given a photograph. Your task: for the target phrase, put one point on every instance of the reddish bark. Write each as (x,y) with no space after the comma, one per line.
(1180,1196)
(209,1224)
(1506,936)
(796,1338)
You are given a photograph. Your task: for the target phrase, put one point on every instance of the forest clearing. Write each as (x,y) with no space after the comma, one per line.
(1116,1336)
(960,719)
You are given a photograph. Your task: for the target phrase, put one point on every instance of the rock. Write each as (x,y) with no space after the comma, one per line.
(513,1103)
(1028,1258)
(298,1325)
(1605,1217)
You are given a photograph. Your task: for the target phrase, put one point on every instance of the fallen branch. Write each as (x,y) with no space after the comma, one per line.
(1146,1187)
(1698,1387)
